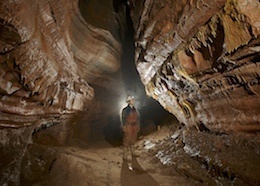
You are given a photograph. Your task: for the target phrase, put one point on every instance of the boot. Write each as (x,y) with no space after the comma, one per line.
(130,166)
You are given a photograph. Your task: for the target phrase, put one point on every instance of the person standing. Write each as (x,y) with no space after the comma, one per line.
(130,127)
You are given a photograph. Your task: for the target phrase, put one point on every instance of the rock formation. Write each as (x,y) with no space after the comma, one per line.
(200,60)
(60,61)
(50,51)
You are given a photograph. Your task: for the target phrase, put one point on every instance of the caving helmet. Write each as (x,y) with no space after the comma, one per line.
(129,98)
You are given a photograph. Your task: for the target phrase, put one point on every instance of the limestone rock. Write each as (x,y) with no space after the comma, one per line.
(49,53)
(200,60)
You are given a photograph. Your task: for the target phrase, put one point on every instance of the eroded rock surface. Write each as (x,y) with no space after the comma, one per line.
(49,53)
(189,157)
(200,60)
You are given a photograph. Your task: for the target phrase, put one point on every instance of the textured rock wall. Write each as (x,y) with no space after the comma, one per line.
(200,60)
(49,53)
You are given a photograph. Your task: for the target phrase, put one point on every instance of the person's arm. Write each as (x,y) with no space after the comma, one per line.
(123,117)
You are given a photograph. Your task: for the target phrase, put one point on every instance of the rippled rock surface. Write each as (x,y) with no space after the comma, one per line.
(50,51)
(200,60)
(60,63)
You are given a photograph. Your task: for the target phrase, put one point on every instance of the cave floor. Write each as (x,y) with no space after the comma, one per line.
(101,163)
(162,161)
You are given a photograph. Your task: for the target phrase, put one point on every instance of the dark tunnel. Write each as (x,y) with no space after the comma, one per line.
(151,112)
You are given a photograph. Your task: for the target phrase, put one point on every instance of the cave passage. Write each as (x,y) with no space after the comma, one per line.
(67,67)
(151,112)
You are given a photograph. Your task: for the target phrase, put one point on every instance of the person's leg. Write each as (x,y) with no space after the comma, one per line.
(134,135)
(126,143)
(124,153)
(133,151)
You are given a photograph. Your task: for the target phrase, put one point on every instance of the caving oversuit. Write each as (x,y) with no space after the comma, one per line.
(130,127)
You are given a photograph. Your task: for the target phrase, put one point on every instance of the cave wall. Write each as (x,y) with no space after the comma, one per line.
(50,53)
(200,60)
